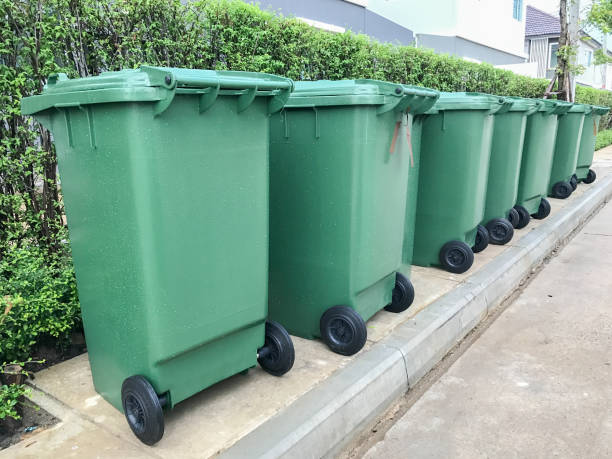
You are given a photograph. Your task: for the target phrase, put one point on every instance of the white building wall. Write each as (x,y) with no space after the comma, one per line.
(592,74)
(488,22)
(491,23)
(438,17)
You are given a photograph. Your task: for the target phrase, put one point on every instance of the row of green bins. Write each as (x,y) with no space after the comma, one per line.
(454,162)
(538,150)
(584,173)
(165,182)
(562,181)
(500,217)
(339,166)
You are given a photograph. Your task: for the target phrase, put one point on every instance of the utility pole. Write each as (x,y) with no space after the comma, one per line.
(569,20)
(604,66)
(574,36)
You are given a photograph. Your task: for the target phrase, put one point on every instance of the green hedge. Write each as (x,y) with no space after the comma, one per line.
(86,37)
(604,138)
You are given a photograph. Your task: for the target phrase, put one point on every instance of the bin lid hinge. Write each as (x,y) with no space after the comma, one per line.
(246,99)
(161,105)
(208,98)
(387,107)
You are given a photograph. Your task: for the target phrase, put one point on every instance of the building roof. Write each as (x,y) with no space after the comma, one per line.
(537,22)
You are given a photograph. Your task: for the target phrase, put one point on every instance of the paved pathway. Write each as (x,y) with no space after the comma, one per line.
(538,382)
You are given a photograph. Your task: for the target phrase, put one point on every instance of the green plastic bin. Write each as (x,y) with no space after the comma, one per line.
(427,99)
(165,181)
(538,149)
(455,148)
(339,162)
(584,173)
(500,217)
(569,132)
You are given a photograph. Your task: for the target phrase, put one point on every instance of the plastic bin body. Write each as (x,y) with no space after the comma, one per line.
(337,200)
(455,148)
(569,134)
(586,148)
(505,161)
(166,194)
(415,120)
(538,149)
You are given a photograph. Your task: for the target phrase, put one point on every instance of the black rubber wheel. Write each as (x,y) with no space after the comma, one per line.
(574,182)
(513,217)
(277,354)
(343,330)
(543,210)
(591,176)
(523,216)
(561,190)
(482,239)
(403,294)
(456,257)
(500,231)
(142,409)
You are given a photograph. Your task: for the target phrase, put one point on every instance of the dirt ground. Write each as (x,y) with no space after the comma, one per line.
(33,419)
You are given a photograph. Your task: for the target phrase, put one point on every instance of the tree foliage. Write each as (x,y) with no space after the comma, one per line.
(600,15)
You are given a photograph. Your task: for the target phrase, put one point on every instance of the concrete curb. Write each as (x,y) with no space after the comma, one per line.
(324,419)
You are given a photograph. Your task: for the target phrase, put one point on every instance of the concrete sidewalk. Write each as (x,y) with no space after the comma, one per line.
(537,383)
(326,397)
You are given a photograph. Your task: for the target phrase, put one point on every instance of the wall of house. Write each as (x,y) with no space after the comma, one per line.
(487,22)
(592,75)
(344,15)
(466,49)
(538,53)
(491,23)
(434,17)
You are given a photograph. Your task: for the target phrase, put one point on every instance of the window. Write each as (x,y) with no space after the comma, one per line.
(552,55)
(517,13)
(588,57)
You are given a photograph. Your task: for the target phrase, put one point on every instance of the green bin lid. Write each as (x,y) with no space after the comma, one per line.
(523,104)
(580,108)
(386,95)
(553,107)
(153,84)
(597,110)
(470,101)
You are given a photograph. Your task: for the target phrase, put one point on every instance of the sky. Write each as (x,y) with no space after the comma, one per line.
(552,6)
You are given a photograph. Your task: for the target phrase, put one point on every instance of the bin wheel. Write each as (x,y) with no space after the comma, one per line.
(543,210)
(277,354)
(574,182)
(143,409)
(561,190)
(482,239)
(456,257)
(591,176)
(403,294)
(343,330)
(523,216)
(500,231)
(513,217)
